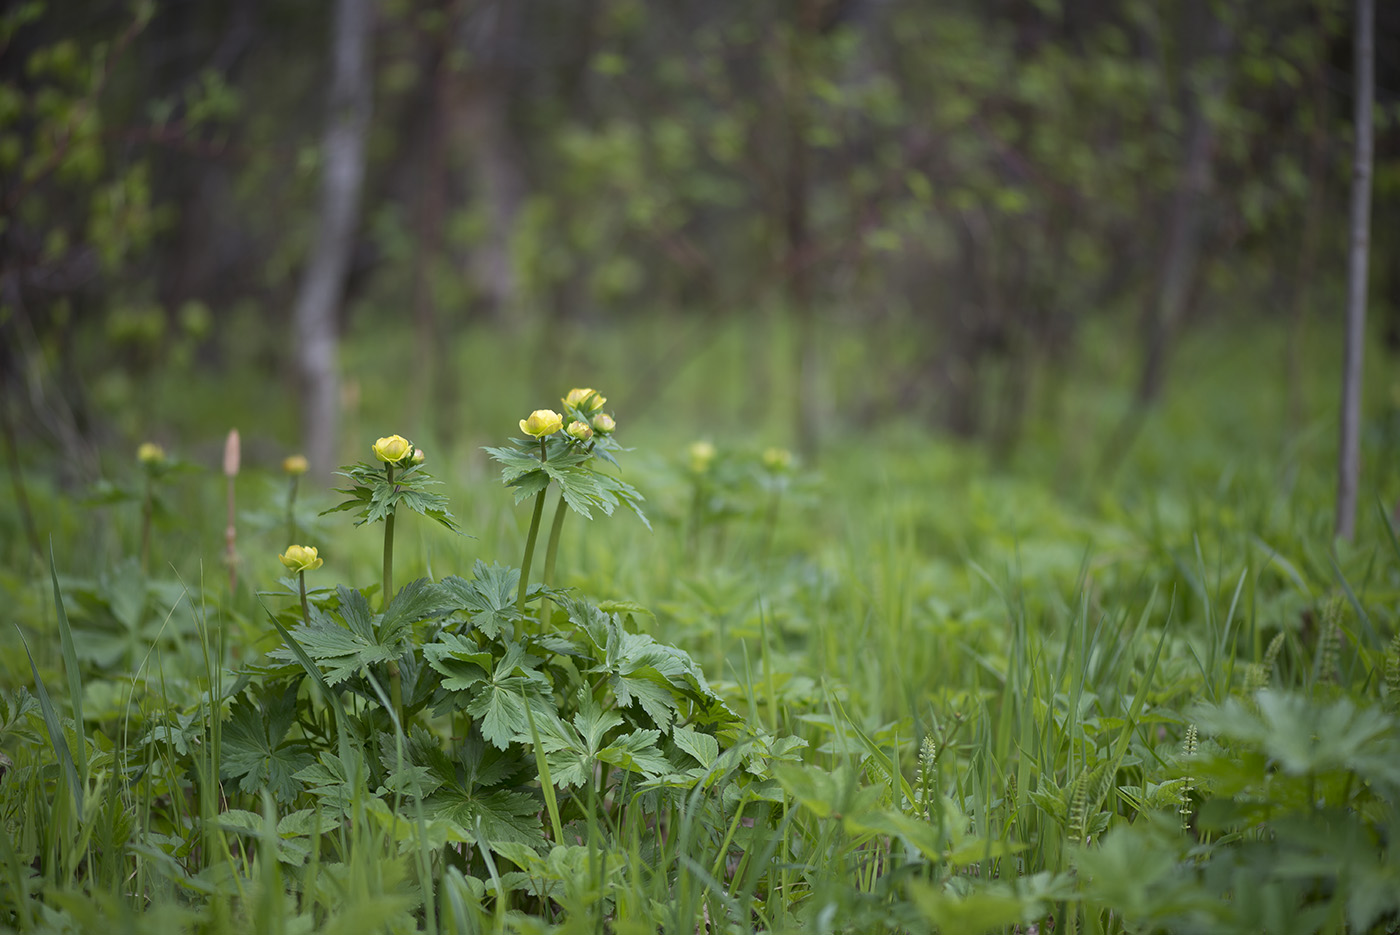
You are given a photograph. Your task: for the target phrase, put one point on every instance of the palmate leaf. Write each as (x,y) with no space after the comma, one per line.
(489,598)
(499,702)
(371,494)
(500,815)
(255,749)
(583,487)
(637,752)
(366,639)
(572,748)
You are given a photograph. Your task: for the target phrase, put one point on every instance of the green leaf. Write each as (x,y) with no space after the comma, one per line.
(255,749)
(637,752)
(460,660)
(703,747)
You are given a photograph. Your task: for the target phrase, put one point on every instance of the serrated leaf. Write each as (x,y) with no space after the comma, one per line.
(255,750)
(703,747)
(637,752)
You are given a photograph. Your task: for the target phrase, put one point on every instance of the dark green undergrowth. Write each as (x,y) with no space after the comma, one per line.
(899,689)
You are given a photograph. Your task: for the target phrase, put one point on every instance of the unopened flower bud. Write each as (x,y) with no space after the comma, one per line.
(603,424)
(150,453)
(418,456)
(299,558)
(580,430)
(295,465)
(702,455)
(585,400)
(393,449)
(542,422)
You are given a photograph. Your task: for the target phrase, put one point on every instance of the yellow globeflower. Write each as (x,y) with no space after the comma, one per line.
(295,464)
(150,453)
(580,430)
(393,449)
(777,459)
(603,424)
(585,400)
(300,558)
(702,455)
(542,422)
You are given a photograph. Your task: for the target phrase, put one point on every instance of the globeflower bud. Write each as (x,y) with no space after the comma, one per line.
(542,422)
(702,455)
(150,453)
(777,459)
(580,430)
(418,456)
(299,558)
(585,400)
(295,465)
(603,424)
(393,449)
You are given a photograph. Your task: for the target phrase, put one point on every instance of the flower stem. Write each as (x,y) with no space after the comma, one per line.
(388,545)
(530,543)
(305,607)
(560,511)
(292,508)
(147,507)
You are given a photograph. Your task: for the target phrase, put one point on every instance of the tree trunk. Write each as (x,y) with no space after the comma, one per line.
(323,282)
(1349,454)
(1185,223)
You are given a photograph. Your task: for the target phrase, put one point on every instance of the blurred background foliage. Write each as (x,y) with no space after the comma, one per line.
(799,217)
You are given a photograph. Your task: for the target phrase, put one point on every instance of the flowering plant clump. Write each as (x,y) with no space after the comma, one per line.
(299,558)
(398,479)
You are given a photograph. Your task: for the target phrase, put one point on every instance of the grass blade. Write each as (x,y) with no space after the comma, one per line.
(55,726)
(70,665)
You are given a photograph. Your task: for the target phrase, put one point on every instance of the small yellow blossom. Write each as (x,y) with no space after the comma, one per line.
(150,453)
(301,558)
(295,465)
(580,430)
(777,459)
(542,422)
(585,400)
(393,449)
(702,455)
(603,424)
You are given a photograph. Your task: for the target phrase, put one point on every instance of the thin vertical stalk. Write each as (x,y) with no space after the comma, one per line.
(147,507)
(305,607)
(530,542)
(388,575)
(551,550)
(292,508)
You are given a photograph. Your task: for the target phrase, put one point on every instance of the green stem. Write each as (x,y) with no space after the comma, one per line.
(147,507)
(560,511)
(396,692)
(292,509)
(530,543)
(388,545)
(305,607)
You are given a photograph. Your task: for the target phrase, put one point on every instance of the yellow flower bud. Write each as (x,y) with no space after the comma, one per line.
(542,422)
(702,455)
(393,449)
(150,453)
(585,400)
(603,424)
(580,430)
(418,456)
(295,464)
(301,558)
(777,459)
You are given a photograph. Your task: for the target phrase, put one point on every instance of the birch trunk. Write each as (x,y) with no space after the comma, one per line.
(322,286)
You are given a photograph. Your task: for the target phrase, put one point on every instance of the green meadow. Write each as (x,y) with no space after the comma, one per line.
(885,682)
